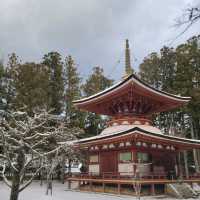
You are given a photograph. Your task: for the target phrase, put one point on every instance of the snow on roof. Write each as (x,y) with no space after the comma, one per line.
(172,138)
(132,78)
(68,143)
(120,128)
(117,131)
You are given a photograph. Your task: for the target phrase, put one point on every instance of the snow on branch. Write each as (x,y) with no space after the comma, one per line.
(26,140)
(3,156)
(5,149)
(7,182)
(30,180)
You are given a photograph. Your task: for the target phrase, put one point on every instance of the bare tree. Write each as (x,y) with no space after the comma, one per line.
(190,16)
(26,141)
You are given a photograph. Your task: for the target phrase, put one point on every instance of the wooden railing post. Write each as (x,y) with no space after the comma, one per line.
(69,184)
(79,184)
(119,188)
(152,189)
(103,187)
(90,182)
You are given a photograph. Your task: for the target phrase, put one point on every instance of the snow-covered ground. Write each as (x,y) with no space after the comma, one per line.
(60,192)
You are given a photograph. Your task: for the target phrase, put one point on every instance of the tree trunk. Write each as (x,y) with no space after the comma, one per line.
(70,168)
(185,153)
(49,184)
(194,150)
(69,174)
(179,165)
(176,166)
(196,160)
(63,169)
(186,163)
(41,177)
(198,155)
(15,189)
(15,186)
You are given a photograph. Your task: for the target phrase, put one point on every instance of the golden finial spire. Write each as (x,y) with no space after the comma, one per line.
(128,68)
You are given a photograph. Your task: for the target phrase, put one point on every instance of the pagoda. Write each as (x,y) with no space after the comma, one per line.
(130,136)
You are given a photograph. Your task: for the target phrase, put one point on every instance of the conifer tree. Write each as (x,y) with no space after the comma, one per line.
(31,81)
(178,72)
(188,84)
(159,71)
(54,61)
(13,63)
(150,70)
(96,82)
(167,68)
(72,92)
(188,77)
(2,87)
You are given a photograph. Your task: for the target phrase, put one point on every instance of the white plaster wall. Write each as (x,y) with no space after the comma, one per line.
(125,168)
(144,170)
(94,169)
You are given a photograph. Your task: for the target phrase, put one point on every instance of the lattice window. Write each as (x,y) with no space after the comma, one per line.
(125,156)
(143,157)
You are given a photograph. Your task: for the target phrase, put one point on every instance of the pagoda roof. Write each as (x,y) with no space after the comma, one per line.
(145,132)
(98,103)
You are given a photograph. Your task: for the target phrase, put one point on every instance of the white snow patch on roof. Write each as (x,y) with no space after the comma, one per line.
(122,128)
(68,142)
(114,130)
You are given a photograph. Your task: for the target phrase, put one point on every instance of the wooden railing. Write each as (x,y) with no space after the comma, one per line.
(124,175)
(117,175)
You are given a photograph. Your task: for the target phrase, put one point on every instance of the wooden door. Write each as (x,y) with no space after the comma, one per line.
(108,161)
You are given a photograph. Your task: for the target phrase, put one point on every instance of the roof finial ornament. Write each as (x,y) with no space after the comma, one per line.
(128,68)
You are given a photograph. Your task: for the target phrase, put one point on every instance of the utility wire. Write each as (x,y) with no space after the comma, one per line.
(113,69)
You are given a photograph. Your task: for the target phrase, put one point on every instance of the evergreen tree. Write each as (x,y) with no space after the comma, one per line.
(167,68)
(13,63)
(54,61)
(178,71)
(159,71)
(188,78)
(72,92)
(31,81)
(150,70)
(96,82)
(2,87)
(167,77)
(188,84)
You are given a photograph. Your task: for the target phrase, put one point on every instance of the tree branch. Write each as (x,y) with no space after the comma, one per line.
(31,179)
(6,181)
(6,152)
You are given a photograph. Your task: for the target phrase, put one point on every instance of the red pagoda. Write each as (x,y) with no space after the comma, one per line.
(130,137)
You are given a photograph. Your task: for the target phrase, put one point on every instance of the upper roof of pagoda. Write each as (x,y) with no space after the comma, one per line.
(131,96)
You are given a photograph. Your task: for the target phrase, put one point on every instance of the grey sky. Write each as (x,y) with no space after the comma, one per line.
(92,31)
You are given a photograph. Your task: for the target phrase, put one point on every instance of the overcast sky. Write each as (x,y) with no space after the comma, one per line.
(92,31)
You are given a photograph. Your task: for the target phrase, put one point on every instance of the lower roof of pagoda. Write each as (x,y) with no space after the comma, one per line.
(130,97)
(145,133)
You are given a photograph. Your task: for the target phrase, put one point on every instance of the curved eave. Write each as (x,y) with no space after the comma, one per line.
(138,131)
(132,79)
